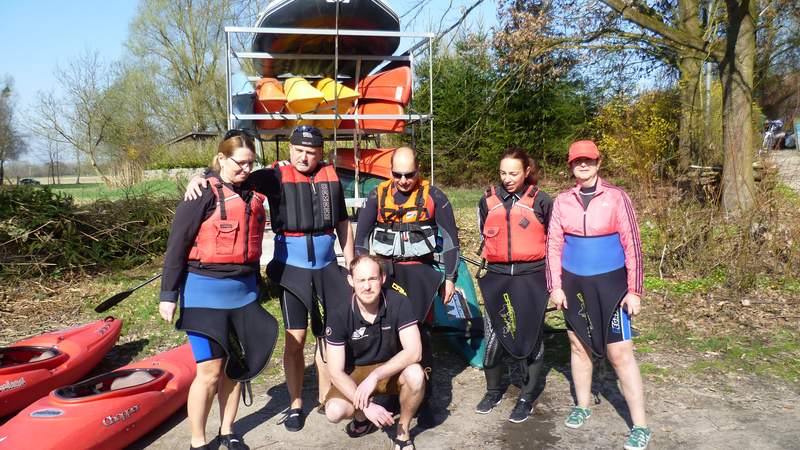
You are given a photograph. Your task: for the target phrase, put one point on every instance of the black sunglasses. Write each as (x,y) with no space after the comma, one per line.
(408,175)
(234,133)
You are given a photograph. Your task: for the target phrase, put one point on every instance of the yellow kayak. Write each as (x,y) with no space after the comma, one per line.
(301,97)
(335,94)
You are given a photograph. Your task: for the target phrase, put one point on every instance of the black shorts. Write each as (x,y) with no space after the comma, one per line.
(294,311)
(619,329)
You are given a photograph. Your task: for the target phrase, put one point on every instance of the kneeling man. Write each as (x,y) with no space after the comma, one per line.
(373,348)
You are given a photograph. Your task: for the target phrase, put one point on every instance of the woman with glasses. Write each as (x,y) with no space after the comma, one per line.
(512,218)
(594,273)
(211,267)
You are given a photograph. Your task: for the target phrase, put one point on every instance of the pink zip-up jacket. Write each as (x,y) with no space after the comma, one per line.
(610,211)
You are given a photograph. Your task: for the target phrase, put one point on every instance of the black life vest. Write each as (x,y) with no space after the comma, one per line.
(309,204)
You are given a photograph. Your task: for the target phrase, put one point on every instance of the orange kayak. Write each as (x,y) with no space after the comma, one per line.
(392,86)
(31,368)
(109,411)
(269,99)
(378,107)
(373,161)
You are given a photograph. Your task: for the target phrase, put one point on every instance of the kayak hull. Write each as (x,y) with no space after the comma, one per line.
(464,333)
(379,125)
(111,419)
(390,85)
(372,161)
(75,351)
(269,99)
(365,15)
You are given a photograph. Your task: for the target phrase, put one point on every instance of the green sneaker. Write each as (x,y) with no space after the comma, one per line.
(639,438)
(577,417)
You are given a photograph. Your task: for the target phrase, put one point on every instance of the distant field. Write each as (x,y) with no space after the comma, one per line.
(88,192)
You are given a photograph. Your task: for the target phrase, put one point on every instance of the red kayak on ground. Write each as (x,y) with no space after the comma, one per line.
(109,411)
(31,368)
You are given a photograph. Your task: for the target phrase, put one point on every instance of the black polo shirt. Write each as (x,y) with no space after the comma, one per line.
(370,343)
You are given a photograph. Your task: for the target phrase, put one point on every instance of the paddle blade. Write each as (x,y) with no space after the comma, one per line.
(106,305)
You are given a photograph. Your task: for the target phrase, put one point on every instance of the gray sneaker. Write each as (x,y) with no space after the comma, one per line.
(577,417)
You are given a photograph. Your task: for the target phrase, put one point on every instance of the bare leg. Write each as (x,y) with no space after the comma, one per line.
(620,354)
(412,390)
(294,364)
(228,398)
(201,394)
(581,367)
(323,377)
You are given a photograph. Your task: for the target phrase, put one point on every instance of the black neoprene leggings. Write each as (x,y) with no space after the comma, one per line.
(533,365)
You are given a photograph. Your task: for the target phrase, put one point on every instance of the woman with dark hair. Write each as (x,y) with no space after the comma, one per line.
(211,266)
(513,217)
(594,273)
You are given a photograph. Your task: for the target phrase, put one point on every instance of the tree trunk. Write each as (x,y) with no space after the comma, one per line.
(736,72)
(690,141)
(78,165)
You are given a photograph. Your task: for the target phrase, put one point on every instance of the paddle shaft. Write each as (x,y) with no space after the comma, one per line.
(113,300)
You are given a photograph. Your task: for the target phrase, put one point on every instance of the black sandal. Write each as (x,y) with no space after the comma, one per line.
(355,424)
(403,443)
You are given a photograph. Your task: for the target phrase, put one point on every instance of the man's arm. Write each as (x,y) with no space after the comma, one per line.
(345,232)
(339,378)
(366,223)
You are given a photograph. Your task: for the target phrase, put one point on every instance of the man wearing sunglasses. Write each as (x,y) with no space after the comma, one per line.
(307,206)
(402,220)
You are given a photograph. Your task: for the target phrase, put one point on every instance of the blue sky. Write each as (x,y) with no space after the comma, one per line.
(37,35)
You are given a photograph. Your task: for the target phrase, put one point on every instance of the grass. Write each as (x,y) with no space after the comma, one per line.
(89,192)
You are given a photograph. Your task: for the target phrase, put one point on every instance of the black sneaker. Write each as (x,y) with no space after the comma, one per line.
(488,402)
(521,412)
(202,447)
(232,442)
(294,420)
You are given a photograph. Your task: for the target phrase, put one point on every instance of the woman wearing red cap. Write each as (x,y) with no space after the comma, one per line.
(594,274)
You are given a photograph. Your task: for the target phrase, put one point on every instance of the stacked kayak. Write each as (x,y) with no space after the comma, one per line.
(109,411)
(31,368)
(364,15)
(461,321)
(374,167)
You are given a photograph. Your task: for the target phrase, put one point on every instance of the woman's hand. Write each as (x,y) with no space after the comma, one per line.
(194,189)
(633,302)
(167,310)
(559,299)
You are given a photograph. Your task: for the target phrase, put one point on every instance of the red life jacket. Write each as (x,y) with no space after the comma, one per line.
(308,204)
(233,233)
(514,234)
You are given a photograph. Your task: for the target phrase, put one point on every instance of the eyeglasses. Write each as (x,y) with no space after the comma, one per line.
(244,165)
(234,133)
(408,175)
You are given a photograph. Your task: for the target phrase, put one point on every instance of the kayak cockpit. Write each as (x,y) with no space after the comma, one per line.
(114,384)
(25,357)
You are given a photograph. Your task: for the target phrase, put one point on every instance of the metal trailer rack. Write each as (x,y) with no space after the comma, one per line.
(421,41)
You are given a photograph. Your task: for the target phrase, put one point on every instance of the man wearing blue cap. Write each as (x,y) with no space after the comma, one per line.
(306,203)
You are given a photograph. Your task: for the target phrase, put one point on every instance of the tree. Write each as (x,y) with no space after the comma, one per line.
(185,41)
(81,118)
(10,137)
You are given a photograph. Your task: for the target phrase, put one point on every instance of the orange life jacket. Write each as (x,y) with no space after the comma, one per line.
(406,231)
(233,233)
(308,204)
(514,234)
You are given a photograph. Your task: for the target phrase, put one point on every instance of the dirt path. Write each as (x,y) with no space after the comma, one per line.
(734,411)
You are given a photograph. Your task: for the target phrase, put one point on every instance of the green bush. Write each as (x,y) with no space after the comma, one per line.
(183,155)
(44,233)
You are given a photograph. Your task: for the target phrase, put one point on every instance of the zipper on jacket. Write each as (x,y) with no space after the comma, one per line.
(247,213)
(508,227)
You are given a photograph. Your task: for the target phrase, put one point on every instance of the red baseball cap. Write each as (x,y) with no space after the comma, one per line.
(583,149)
